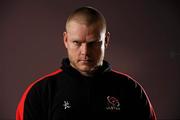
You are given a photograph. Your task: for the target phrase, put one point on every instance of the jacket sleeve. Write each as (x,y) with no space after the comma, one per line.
(144,105)
(29,107)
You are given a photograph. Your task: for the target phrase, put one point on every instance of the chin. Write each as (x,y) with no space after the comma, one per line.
(85,68)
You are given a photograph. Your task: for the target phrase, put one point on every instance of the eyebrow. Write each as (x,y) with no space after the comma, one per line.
(88,41)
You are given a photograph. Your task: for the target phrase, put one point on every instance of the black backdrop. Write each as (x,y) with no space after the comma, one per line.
(145,43)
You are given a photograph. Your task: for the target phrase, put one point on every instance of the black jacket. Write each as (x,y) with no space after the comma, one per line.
(59,95)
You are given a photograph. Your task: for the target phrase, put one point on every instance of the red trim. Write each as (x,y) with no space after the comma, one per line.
(153,114)
(20,108)
(122,74)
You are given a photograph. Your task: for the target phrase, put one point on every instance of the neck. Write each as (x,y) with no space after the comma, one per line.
(89,73)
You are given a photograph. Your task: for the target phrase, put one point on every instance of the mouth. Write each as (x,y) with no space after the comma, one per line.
(85,61)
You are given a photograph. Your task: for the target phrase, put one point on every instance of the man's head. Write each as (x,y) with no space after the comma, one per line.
(86,39)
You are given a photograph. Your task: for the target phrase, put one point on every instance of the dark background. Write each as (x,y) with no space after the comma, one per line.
(145,43)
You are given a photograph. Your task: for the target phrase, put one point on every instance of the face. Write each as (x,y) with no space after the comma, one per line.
(85,46)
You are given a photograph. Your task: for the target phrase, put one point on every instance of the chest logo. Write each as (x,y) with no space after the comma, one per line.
(66,105)
(113,104)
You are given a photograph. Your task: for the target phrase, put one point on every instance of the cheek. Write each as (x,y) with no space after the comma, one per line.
(98,52)
(73,52)
(70,47)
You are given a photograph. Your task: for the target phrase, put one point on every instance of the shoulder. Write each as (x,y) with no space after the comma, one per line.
(129,85)
(134,95)
(33,92)
(43,82)
(45,79)
(124,80)
(122,76)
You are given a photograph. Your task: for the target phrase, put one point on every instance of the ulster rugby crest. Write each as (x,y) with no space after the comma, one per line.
(113,104)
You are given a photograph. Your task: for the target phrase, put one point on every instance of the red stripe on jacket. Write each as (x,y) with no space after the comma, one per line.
(152,112)
(20,108)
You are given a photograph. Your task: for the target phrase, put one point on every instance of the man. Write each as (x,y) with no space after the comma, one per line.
(85,83)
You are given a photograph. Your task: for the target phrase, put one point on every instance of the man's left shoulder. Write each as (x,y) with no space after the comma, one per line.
(120,75)
(123,78)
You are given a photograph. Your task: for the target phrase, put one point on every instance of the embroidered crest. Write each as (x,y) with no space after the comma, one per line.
(113,103)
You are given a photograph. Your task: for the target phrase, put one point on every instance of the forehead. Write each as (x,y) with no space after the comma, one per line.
(81,29)
(73,24)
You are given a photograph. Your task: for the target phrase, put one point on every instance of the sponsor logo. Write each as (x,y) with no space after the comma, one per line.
(113,103)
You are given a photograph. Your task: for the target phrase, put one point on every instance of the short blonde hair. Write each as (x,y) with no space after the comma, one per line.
(87,15)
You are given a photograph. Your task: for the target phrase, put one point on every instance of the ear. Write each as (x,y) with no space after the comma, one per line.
(107,38)
(65,39)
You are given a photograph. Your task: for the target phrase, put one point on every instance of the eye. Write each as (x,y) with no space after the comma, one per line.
(77,43)
(91,44)
(95,43)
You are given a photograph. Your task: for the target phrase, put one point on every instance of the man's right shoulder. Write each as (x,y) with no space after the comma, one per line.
(45,79)
(36,88)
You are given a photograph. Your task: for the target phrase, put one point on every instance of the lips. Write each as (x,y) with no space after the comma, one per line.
(85,61)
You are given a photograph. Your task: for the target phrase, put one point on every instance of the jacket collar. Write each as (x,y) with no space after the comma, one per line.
(69,69)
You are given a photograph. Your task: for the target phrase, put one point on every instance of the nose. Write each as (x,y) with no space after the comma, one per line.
(84,49)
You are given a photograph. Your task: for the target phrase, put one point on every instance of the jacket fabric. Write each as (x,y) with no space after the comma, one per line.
(59,95)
